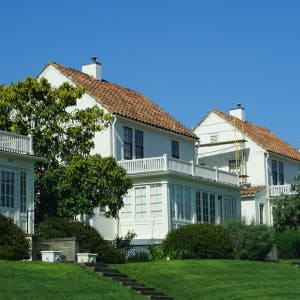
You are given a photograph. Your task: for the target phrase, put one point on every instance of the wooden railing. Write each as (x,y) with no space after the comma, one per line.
(12,142)
(278,190)
(165,163)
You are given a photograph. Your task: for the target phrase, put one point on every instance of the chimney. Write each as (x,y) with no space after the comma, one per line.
(238,112)
(93,68)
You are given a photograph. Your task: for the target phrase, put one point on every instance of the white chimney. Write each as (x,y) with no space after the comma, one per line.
(238,112)
(93,69)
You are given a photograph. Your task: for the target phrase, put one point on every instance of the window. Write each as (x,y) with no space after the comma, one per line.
(205,207)
(261,214)
(172,202)
(179,203)
(155,201)
(175,149)
(280,173)
(126,211)
(23,191)
(139,144)
(127,139)
(274,172)
(212,208)
(234,166)
(277,172)
(7,189)
(198,206)
(187,204)
(220,199)
(140,203)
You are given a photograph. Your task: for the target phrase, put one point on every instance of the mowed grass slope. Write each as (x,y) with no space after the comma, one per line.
(218,279)
(37,280)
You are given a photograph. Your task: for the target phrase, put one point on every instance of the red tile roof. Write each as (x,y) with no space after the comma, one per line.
(252,190)
(262,136)
(125,102)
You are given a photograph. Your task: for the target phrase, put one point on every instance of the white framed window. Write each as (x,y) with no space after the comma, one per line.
(187,204)
(23,191)
(198,206)
(234,166)
(7,188)
(212,208)
(127,209)
(172,202)
(140,203)
(155,201)
(205,207)
(179,202)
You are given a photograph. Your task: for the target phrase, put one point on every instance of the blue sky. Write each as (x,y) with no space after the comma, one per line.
(187,56)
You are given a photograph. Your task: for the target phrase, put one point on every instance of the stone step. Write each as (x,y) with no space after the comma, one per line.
(132,284)
(94,265)
(114,275)
(142,289)
(105,270)
(161,297)
(123,280)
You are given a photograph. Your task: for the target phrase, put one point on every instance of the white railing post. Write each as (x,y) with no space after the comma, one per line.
(216,176)
(192,167)
(30,145)
(165,166)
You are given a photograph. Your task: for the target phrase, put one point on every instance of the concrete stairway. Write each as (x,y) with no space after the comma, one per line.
(125,281)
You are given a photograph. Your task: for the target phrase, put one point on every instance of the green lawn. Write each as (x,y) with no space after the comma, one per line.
(37,280)
(218,279)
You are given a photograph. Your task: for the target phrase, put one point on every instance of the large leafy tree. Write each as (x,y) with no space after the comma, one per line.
(286,212)
(61,133)
(100,180)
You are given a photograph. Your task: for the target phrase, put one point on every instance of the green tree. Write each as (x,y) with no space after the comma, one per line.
(60,132)
(89,182)
(286,212)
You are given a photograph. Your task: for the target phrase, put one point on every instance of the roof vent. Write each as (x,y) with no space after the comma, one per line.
(94,68)
(238,112)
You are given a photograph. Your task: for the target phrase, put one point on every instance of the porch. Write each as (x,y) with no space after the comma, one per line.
(167,164)
(278,190)
(16,143)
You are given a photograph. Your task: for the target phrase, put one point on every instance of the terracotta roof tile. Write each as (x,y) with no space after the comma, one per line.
(252,190)
(262,136)
(125,102)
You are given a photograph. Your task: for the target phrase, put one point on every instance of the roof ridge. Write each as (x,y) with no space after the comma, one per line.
(125,102)
(272,142)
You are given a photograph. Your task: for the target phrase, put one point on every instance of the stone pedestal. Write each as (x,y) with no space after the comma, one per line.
(51,256)
(86,257)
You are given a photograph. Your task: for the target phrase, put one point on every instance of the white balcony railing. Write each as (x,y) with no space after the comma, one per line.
(278,190)
(12,142)
(165,163)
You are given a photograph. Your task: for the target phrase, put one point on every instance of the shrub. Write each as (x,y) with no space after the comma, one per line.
(288,243)
(250,242)
(197,241)
(13,242)
(88,238)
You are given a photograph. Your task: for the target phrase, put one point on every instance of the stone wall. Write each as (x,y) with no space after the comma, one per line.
(68,247)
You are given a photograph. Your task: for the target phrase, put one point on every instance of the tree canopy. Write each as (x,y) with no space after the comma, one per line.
(62,135)
(286,212)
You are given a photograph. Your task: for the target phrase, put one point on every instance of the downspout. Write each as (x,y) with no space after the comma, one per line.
(267,185)
(113,136)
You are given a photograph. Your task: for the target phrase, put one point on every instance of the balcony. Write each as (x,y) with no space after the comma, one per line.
(167,164)
(15,143)
(279,190)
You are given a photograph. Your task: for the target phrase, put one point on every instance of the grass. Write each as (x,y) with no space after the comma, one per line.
(37,280)
(218,279)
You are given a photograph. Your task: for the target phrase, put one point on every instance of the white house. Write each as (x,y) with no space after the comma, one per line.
(265,163)
(158,152)
(17,179)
